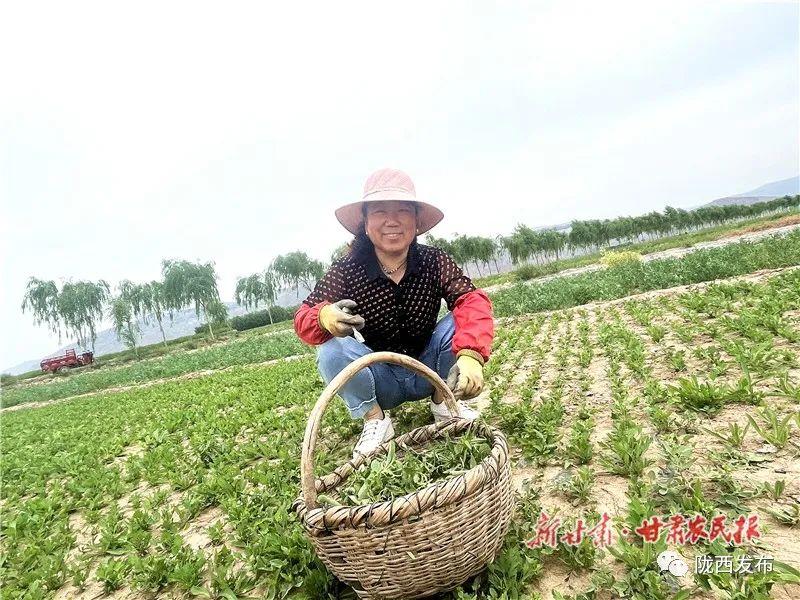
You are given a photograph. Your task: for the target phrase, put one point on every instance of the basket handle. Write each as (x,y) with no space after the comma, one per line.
(314,420)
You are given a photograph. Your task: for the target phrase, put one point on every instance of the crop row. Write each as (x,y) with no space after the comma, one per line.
(632,277)
(250,350)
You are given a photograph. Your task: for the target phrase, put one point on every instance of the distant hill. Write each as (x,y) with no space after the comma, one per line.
(183,324)
(783,187)
(741,200)
(768,191)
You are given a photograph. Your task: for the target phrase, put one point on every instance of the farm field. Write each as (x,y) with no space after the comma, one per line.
(680,401)
(246,350)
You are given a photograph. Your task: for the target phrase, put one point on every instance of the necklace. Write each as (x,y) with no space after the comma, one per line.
(397,268)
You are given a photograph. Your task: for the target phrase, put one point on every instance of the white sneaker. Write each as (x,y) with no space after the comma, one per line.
(375,432)
(442,413)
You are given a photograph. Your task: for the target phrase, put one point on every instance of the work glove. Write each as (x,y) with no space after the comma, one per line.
(466,377)
(338,318)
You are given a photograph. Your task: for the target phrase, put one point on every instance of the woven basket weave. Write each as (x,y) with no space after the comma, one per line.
(425,542)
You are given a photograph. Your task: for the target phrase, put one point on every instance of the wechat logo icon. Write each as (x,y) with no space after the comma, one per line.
(672,562)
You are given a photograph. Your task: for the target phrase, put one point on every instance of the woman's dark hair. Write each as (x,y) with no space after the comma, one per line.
(361,247)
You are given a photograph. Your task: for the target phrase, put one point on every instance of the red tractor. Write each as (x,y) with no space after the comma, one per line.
(59,364)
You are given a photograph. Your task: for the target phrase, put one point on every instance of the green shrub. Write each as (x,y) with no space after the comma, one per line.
(218,328)
(261,318)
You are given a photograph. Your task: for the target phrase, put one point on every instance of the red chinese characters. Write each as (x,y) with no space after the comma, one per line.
(679,529)
(546,532)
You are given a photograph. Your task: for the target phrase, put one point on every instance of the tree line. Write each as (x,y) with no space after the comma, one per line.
(78,307)
(525,243)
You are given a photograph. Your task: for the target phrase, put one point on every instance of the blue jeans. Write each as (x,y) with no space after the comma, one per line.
(382,384)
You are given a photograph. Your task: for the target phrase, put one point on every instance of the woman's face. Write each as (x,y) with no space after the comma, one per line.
(391,225)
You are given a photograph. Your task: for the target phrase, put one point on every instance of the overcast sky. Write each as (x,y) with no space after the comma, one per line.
(130,133)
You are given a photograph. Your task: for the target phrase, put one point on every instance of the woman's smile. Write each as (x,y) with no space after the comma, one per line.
(390,224)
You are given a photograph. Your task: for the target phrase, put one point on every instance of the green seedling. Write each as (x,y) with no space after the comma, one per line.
(747,326)
(787,515)
(734,437)
(789,390)
(642,579)
(744,391)
(684,333)
(187,568)
(579,485)
(762,357)
(113,533)
(679,451)
(776,431)
(677,359)
(216,533)
(579,448)
(581,556)
(779,326)
(226,581)
(656,332)
(585,356)
(775,489)
(662,419)
(78,572)
(625,448)
(732,494)
(640,506)
(111,573)
(700,396)
(150,573)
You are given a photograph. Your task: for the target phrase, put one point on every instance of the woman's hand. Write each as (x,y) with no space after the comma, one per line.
(466,377)
(337,318)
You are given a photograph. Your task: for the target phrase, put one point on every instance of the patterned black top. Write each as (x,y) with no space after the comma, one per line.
(399,317)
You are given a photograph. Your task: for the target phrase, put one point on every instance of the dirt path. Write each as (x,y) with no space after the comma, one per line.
(671,253)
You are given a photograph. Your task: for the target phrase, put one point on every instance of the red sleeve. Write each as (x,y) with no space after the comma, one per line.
(331,288)
(306,324)
(474,323)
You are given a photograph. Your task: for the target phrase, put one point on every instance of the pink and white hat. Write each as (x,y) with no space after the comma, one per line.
(388,184)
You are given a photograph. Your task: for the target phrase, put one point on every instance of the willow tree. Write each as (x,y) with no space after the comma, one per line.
(187,283)
(77,308)
(146,301)
(137,297)
(157,305)
(340,251)
(126,325)
(441,243)
(41,297)
(296,268)
(258,288)
(485,250)
(80,305)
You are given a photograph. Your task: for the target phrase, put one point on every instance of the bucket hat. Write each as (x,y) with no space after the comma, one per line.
(388,184)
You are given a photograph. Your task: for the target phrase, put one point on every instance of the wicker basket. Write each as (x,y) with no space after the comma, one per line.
(426,542)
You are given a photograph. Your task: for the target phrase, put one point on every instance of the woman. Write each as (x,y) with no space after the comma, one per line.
(390,288)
